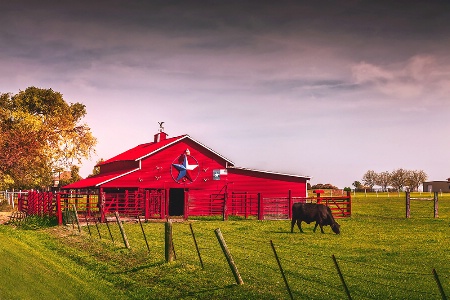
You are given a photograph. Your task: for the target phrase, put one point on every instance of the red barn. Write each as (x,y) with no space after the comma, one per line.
(181,176)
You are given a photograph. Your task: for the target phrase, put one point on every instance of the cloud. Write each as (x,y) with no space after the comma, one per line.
(421,79)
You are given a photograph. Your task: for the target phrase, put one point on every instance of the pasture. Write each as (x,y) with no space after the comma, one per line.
(382,255)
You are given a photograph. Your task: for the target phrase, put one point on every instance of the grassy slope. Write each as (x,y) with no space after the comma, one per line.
(382,255)
(31,269)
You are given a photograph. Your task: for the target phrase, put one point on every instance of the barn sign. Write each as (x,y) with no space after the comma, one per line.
(218,173)
(186,167)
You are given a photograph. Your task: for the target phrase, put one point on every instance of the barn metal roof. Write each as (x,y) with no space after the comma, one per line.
(145,150)
(98,179)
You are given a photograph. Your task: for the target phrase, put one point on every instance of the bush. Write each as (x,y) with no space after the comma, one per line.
(326,186)
(37,222)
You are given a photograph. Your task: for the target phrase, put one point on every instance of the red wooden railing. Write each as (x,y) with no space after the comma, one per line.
(36,203)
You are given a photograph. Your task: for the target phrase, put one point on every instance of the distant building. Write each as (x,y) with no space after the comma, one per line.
(437,186)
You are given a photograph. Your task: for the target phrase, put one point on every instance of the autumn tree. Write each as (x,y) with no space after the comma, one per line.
(39,133)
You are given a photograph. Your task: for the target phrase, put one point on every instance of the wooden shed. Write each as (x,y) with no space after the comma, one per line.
(180,176)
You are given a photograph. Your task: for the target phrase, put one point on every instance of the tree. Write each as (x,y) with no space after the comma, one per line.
(399,179)
(357,185)
(40,132)
(383,180)
(326,186)
(370,178)
(415,178)
(74,176)
(96,169)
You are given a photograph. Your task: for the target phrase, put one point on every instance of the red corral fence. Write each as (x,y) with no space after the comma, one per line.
(36,203)
(153,204)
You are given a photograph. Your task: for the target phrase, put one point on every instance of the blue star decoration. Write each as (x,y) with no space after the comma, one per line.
(184,169)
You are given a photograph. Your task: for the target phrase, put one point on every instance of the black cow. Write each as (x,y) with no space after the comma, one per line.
(312,212)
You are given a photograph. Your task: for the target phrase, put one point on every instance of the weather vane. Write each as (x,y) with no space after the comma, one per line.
(161,128)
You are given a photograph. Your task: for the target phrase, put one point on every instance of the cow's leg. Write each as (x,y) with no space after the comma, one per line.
(321,228)
(299,224)
(292,224)
(315,226)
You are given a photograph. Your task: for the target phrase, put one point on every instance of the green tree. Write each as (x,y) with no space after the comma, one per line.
(357,185)
(40,133)
(74,176)
(96,169)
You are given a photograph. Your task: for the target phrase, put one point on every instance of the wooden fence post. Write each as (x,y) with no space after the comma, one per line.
(76,217)
(228,256)
(408,205)
(122,231)
(196,245)
(98,230)
(143,233)
(87,225)
(436,214)
(109,230)
(168,250)
(438,282)
(281,270)
(341,277)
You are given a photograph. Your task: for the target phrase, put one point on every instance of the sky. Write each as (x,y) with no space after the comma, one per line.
(326,89)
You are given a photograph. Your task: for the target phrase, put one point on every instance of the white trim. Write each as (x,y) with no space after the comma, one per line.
(118,176)
(269,172)
(216,153)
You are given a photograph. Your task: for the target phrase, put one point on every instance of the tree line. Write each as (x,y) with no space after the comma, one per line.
(398,179)
(41,135)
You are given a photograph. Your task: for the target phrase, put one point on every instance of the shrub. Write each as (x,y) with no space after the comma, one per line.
(37,222)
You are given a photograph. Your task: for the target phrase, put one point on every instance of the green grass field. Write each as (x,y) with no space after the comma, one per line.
(382,255)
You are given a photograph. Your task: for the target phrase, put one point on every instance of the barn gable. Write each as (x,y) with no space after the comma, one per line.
(147,162)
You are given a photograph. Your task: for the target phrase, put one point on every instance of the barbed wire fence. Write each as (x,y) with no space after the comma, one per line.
(306,274)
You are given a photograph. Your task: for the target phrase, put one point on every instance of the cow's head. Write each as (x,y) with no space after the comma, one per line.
(336,228)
